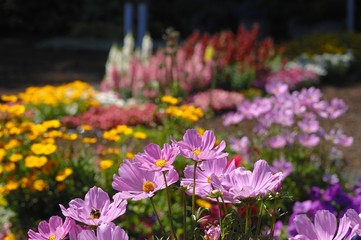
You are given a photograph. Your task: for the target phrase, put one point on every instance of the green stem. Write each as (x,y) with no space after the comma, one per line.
(220,215)
(156,214)
(194,189)
(184,216)
(247,220)
(259,219)
(169,206)
(274,219)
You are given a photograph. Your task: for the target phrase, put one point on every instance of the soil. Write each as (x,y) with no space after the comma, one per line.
(27,61)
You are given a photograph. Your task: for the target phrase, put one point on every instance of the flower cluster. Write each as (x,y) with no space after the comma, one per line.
(152,171)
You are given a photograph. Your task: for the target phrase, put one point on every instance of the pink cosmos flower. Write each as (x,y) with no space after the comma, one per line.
(96,208)
(213,233)
(204,172)
(277,142)
(54,229)
(241,183)
(136,184)
(276,88)
(323,228)
(156,159)
(309,140)
(309,125)
(355,220)
(200,148)
(105,231)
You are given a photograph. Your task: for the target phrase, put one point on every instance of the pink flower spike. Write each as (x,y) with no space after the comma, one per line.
(95,209)
(54,229)
(136,184)
(200,148)
(156,159)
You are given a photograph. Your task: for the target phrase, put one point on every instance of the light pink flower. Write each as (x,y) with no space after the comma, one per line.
(136,184)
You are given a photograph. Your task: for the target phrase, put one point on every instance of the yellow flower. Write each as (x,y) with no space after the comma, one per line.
(40,148)
(48,141)
(203,203)
(15,157)
(89,140)
(208,53)
(39,185)
(3,202)
(1,169)
(169,99)
(140,135)
(35,161)
(86,127)
(111,136)
(13,143)
(64,174)
(2,154)
(53,134)
(71,136)
(129,155)
(24,182)
(124,129)
(9,98)
(200,131)
(51,123)
(105,164)
(10,166)
(11,185)
(9,237)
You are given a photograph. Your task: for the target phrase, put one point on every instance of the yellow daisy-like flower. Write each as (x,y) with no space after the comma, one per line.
(200,131)
(89,140)
(39,185)
(129,155)
(15,157)
(169,99)
(11,185)
(124,129)
(9,237)
(51,123)
(13,143)
(105,164)
(64,174)
(35,161)
(71,137)
(9,167)
(86,127)
(53,134)
(111,136)
(2,154)
(140,135)
(9,98)
(40,148)
(203,203)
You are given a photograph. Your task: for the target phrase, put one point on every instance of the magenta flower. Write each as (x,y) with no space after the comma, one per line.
(323,228)
(283,166)
(309,125)
(200,148)
(309,140)
(136,184)
(105,231)
(96,208)
(212,233)
(55,229)
(156,159)
(204,172)
(276,88)
(241,183)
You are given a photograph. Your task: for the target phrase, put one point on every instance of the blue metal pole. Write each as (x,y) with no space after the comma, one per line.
(142,22)
(350,15)
(128,17)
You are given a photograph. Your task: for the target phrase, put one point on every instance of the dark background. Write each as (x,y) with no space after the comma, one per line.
(280,19)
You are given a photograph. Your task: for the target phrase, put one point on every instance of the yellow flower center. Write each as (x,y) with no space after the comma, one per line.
(209,179)
(148,186)
(95,214)
(161,162)
(52,237)
(197,151)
